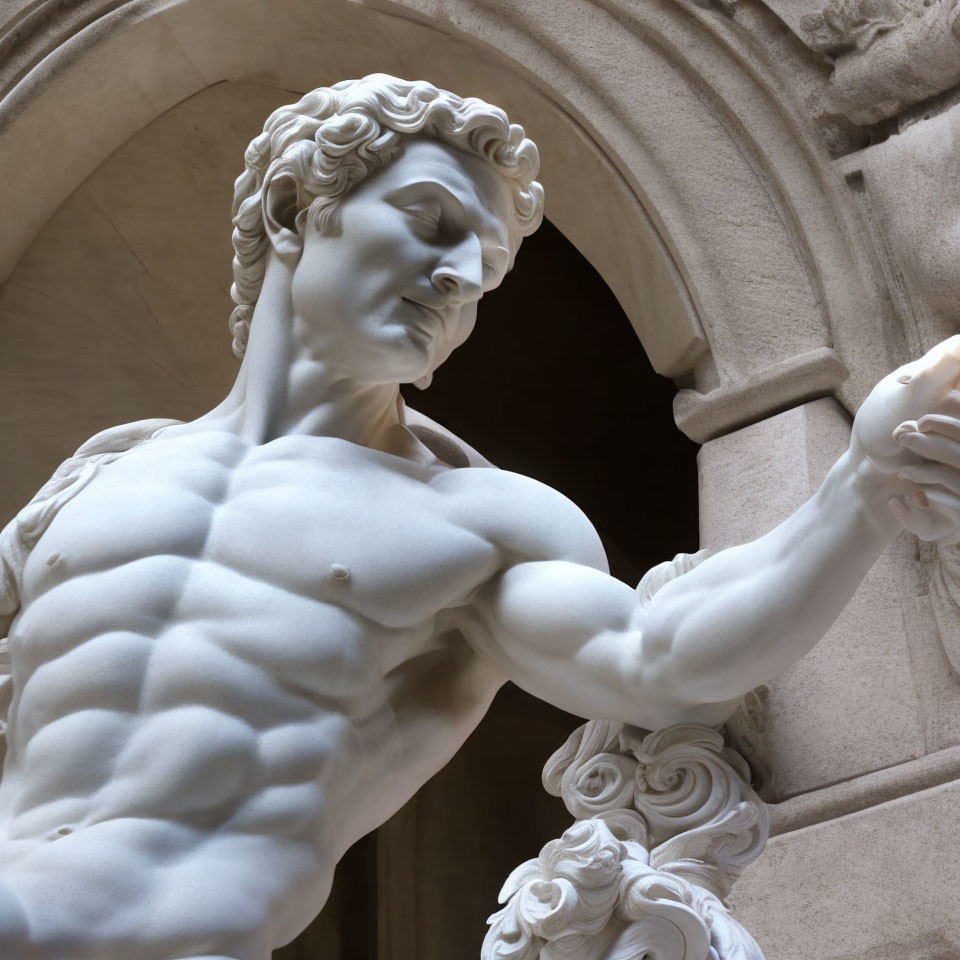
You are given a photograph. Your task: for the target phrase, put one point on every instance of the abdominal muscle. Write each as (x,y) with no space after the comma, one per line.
(183,790)
(163,780)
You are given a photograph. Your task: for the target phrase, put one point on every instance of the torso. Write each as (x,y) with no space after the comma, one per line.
(256,644)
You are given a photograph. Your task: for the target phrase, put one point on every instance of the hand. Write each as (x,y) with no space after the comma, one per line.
(908,429)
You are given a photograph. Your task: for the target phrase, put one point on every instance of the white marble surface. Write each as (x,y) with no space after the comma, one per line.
(282,617)
(665,823)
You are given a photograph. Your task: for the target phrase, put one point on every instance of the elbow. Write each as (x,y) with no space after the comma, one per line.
(649,688)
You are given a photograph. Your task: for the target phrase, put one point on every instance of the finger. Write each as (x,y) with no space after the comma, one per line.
(932,474)
(930,446)
(917,520)
(908,426)
(943,502)
(940,424)
(946,509)
(925,522)
(934,512)
(899,511)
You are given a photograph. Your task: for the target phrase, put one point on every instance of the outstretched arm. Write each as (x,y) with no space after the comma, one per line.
(584,641)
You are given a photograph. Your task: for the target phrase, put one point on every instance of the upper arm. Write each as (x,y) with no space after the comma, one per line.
(556,623)
(585,642)
(12,559)
(563,632)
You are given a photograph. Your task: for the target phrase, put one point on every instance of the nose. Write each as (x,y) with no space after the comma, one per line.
(459,272)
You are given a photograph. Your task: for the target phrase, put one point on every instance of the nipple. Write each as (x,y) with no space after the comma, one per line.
(339,571)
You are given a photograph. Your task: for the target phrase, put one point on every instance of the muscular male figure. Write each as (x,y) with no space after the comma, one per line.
(240,643)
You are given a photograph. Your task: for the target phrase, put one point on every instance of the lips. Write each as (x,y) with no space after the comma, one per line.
(434,317)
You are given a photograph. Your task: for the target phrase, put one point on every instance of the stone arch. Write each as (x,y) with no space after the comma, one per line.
(686,174)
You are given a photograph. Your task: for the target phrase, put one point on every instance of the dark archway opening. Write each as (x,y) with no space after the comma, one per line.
(554,384)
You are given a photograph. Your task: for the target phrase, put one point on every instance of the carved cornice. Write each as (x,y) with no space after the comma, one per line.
(704,416)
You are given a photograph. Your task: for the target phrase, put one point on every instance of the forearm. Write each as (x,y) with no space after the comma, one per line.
(747,613)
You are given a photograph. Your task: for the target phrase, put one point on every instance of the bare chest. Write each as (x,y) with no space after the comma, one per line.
(318,520)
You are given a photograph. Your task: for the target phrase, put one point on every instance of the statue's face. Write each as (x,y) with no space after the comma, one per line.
(390,297)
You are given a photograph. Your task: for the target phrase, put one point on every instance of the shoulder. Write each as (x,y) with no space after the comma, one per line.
(525,519)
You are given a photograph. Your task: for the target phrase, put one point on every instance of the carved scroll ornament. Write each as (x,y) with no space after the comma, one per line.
(666,822)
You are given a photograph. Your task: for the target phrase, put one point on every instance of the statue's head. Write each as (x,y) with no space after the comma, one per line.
(317,157)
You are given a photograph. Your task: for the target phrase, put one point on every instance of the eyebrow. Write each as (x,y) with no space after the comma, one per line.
(430,181)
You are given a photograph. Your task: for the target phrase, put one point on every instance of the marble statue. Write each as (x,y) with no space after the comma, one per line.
(240,643)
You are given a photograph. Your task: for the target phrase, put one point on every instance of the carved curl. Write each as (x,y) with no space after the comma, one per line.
(666,822)
(690,791)
(334,137)
(592,895)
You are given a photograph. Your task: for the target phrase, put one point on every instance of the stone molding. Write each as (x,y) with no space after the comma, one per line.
(703,417)
(47,36)
(864,792)
(666,822)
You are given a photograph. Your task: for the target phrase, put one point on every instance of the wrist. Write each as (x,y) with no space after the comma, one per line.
(872,489)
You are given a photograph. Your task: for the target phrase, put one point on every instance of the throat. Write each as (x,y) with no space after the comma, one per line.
(309,400)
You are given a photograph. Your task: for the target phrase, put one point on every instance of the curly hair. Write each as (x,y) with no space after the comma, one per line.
(334,137)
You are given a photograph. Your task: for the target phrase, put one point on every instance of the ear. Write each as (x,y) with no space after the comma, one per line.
(279,199)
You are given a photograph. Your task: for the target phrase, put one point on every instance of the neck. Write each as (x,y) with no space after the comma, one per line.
(281,390)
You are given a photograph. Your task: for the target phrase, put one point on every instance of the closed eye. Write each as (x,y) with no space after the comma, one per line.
(424,217)
(426,213)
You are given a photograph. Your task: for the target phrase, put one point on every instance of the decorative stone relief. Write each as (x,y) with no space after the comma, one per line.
(887,54)
(845,25)
(907,190)
(666,822)
(945,595)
